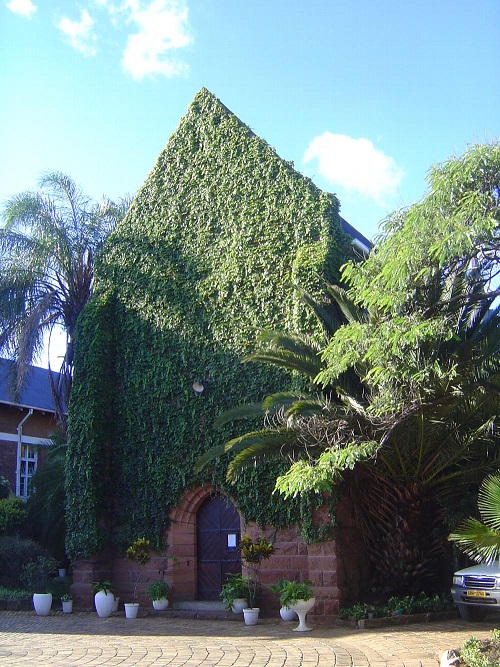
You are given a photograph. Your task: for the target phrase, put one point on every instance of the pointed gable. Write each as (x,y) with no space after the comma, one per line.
(209,253)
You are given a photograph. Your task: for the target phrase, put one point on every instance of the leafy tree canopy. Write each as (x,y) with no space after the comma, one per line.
(433,273)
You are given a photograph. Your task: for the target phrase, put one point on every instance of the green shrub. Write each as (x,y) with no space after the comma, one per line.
(12,515)
(15,552)
(59,586)
(355,613)
(484,653)
(14,594)
(236,586)
(158,590)
(5,489)
(37,575)
(472,655)
(409,604)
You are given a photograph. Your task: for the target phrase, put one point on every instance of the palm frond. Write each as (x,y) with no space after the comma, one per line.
(208,457)
(281,400)
(349,309)
(259,445)
(328,315)
(244,411)
(478,541)
(488,502)
(306,364)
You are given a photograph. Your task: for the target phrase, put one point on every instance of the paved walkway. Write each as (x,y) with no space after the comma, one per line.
(84,640)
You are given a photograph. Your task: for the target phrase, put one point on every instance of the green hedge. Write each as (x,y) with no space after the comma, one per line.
(208,255)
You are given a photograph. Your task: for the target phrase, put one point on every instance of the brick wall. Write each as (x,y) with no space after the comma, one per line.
(39,425)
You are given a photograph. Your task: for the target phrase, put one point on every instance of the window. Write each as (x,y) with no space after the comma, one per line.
(28,467)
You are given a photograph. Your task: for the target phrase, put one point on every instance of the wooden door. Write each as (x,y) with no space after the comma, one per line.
(218,535)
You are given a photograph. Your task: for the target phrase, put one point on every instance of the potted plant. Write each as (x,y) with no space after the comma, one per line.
(158,592)
(235,592)
(286,613)
(37,576)
(104,597)
(253,552)
(67,603)
(298,595)
(139,553)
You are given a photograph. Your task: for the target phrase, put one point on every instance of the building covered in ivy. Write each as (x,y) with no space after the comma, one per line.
(208,255)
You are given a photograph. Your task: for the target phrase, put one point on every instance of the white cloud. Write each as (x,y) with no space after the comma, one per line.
(79,34)
(355,164)
(163,28)
(23,7)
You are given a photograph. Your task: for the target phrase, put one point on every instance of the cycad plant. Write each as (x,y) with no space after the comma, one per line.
(400,464)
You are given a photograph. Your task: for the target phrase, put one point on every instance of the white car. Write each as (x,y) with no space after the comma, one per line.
(476,590)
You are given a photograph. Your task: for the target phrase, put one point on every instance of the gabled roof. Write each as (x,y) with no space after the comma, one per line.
(36,393)
(359,241)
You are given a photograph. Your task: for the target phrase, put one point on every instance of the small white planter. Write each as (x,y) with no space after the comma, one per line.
(42,602)
(131,609)
(287,614)
(251,615)
(67,606)
(238,605)
(161,604)
(62,572)
(103,601)
(301,607)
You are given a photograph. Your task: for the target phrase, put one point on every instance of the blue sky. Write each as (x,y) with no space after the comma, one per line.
(362,95)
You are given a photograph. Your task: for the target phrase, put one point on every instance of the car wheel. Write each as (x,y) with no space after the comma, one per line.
(471,613)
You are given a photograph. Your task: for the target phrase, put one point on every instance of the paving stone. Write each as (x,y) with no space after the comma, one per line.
(84,640)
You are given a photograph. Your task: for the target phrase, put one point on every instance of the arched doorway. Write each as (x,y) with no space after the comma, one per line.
(218,536)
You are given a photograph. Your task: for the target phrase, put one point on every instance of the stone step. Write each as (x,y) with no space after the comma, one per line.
(199,605)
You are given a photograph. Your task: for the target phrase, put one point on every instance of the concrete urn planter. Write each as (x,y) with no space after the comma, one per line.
(301,607)
(103,601)
(161,604)
(42,602)
(251,615)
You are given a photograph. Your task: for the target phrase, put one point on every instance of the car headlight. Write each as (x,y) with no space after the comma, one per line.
(458,581)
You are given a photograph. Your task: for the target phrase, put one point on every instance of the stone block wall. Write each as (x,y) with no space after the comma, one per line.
(334,566)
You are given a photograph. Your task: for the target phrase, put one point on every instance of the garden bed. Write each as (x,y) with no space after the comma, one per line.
(402,619)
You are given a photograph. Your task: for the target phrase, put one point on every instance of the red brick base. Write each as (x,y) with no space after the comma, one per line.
(334,566)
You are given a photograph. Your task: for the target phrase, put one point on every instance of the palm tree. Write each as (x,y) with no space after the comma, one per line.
(400,465)
(481,540)
(49,244)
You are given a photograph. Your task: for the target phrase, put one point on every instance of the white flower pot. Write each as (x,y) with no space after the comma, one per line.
(131,609)
(67,606)
(238,605)
(288,614)
(251,615)
(301,607)
(62,572)
(161,604)
(42,602)
(103,601)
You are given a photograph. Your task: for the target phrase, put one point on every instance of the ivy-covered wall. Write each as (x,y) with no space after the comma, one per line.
(207,255)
